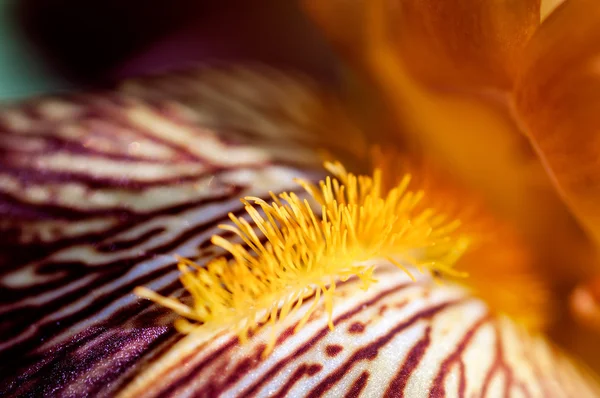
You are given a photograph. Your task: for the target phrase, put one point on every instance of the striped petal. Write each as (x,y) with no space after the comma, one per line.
(401,338)
(99,192)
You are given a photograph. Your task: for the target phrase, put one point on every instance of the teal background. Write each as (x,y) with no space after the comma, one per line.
(22,73)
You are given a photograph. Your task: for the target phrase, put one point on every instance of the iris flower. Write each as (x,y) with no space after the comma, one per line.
(439,252)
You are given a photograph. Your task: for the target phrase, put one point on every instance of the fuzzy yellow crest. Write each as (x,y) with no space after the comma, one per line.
(295,248)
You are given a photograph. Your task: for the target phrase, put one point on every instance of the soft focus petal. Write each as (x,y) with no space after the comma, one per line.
(558,98)
(474,137)
(446,43)
(548,7)
(450,43)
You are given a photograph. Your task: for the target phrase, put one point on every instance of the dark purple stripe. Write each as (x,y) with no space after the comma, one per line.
(32,368)
(57,212)
(100,303)
(112,379)
(50,329)
(211,358)
(333,350)
(438,388)
(237,373)
(63,372)
(303,370)
(191,374)
(462,379)
(370,351)
(499,365)
(31,176)
(103,109)
(320,335)
(359,384)
(413,358)
(356,328)
(78,269)
(39,250)
(53,143)
(154,353)
(111,247)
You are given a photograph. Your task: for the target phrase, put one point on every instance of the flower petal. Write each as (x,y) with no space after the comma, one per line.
(558,98)
(97,194)
(445,43)
(464,42)
(548,7)
(82,234)
(399,338)
(474,136)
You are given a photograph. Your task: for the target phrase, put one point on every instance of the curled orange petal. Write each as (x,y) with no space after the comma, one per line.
(558,99)
(475,137)
(445,43)
(473,42)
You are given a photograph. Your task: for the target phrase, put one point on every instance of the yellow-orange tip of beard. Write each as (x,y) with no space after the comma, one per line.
(294,248)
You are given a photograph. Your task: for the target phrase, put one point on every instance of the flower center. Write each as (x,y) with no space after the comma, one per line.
(294,249)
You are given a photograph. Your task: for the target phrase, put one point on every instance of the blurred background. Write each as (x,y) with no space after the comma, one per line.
(58,45)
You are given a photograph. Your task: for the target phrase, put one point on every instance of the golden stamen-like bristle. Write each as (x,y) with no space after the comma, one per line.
(291,251)
(501,265)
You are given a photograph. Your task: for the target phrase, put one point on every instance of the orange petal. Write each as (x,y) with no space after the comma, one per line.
(558,99)
(470,42)
(548,6)
(445,43)
(477,140)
